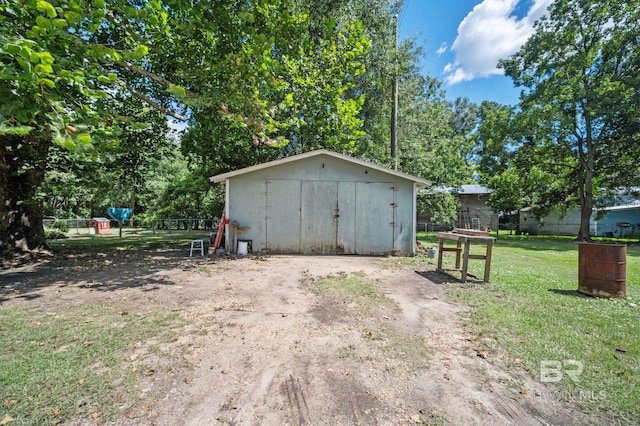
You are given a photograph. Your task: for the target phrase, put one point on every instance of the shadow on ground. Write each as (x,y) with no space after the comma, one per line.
(96,269)
(564,292)
(435,277)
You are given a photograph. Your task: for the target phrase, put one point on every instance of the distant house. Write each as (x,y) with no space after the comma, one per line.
(322,202)
(614,221)
(473,210)
(619,221)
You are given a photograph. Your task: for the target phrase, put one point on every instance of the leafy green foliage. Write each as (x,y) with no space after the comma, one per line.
(61,225)
(54,234)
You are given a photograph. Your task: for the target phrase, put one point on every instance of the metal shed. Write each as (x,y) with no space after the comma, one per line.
(322,202)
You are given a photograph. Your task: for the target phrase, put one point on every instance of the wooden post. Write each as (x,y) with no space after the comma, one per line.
(458,250)
(487,262)
(440,247)
(465,260)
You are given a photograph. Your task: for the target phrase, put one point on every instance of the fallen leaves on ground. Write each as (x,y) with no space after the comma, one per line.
(7,418)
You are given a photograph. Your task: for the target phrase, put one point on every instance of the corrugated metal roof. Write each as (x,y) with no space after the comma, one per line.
(474,189)
(631,206)
(224,176)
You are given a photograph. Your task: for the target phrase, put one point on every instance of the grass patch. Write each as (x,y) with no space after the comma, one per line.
(353,290)
(72,364)
(530,313)
(130,240)
(378,331)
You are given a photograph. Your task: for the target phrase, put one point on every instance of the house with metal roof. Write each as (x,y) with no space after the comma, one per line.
(612,221)
(322,202)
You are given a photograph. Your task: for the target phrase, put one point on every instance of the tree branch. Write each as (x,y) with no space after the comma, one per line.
(156,105)
(153,77)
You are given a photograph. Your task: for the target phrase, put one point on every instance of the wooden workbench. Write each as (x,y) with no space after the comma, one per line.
(466,237)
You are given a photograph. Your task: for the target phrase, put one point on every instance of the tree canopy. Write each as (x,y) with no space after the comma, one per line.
(579,107)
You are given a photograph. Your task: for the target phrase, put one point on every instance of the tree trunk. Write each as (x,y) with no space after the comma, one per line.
(22,170)
(585,180)
(586,208)
(586,203)
(132,206)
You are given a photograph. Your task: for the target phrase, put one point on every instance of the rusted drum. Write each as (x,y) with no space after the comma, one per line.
(602,270)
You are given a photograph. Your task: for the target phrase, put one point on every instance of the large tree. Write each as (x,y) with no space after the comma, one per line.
(581,98)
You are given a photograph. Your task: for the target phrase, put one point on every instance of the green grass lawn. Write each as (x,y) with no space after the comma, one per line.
(531,315)
(131,239)
(62,365)
(74,363)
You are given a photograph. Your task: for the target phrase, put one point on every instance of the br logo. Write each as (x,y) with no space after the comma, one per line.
(552,371)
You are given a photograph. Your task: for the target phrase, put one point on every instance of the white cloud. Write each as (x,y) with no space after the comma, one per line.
(443,48)
(487,34)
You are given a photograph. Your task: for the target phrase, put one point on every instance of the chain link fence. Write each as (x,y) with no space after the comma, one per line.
(168,225)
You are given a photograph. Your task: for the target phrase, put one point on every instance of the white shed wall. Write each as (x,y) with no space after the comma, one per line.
(324,205)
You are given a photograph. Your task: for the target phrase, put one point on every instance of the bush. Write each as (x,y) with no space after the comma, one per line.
(54,234)
(61,225)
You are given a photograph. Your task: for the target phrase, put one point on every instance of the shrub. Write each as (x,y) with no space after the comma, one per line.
(61,225)
(54,234)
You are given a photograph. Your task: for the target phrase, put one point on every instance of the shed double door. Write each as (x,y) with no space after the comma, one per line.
(329,217)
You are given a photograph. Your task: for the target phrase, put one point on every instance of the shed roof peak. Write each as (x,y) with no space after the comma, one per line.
(224,176)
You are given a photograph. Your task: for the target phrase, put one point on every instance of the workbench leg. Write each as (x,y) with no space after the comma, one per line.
(465,261)
(458,254)
(440,247)
(487,262)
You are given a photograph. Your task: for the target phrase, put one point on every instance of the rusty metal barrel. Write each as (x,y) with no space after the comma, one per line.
(602,269)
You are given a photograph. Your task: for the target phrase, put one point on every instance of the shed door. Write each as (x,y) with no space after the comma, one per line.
(374,223)
(347,220)
(283,216)
(319,217)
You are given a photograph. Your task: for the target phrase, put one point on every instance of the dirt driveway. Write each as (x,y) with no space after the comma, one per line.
(265,347)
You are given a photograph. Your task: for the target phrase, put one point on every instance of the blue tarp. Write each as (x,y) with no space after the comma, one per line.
(119,214)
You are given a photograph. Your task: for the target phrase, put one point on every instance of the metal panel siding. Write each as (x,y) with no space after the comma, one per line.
(608,225)
(347,219)
(319,221)
(404,235)
(246,205)
(374,218)
(282,221)
(363,197)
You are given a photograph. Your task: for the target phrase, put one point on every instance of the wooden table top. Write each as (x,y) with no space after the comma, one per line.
(455,236)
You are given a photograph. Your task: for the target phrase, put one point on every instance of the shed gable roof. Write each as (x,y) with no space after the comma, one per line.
(224,176)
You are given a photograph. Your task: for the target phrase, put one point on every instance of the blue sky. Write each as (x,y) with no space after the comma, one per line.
(464,39)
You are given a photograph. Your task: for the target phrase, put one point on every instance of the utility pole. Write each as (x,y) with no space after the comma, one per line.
(394,95)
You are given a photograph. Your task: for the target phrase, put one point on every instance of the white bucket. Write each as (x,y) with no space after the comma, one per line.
(243,248)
